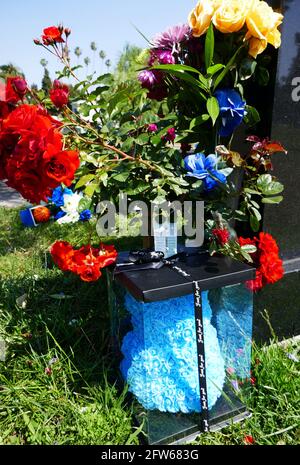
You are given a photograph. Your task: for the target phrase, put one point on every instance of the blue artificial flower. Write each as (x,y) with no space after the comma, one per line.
(204,168)
(160,365)
(59,215)
(85,215)
(58,196)
(232,110)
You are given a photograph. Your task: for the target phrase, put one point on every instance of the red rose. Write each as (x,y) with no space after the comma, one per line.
(266,259)
(222,236)
(59,95)
(52,35)
(271,267)
(59,167)
(31,155)
(62,254)
(86,262)
(16,89)
(267,243)
(5,109)
(90,274)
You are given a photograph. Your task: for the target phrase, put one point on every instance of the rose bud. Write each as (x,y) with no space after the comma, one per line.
(59,95)
(37,42)
(20,86)
(67,31)
(152,127)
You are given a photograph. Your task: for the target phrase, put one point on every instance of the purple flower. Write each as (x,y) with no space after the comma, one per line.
(152,127)
(149,79)
(172,37)
(165,57)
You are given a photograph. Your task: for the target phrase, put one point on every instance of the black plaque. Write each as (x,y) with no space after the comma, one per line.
(283,221)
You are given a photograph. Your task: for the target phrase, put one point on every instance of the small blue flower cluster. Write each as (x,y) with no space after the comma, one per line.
(160,355)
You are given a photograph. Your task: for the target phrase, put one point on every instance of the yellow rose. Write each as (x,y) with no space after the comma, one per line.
(231,15)
(262,22)
(274,38)
(257,46)
(201,16)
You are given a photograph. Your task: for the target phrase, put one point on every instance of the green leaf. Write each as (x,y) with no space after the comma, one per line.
(127,144)
(142,139)
(214,69)
(251,191)
(252,117)
(247,68)
(90,190)
(254,223)
(84,180)
(262,76)
(155,140)
(209,46)
(264,180)
(274,188)
(138,189)
(84,204)
(273,200)
(256,213)
(121,177)
(182,72)
(227,67)
(249,248)
(267,186)
(213,108)
(246,256)
(199,120)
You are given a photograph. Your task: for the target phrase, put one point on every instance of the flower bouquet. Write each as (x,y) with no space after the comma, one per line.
(170,134)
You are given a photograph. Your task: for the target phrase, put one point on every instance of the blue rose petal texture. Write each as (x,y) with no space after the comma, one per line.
(160,355)
(232,110)
(204,168)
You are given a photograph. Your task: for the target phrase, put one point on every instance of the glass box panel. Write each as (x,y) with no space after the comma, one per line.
(159,359)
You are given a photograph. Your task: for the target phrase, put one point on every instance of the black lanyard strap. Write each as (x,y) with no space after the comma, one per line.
(200,338)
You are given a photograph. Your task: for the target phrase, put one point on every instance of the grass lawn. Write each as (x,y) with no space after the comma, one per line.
(58,382)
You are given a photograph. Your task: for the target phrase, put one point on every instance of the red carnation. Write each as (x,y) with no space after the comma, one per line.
(222,236)
(62,254)
(52,35)
(86,262)
(266,259)
(59,95)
